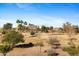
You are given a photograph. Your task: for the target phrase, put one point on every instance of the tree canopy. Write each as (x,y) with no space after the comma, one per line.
(7,26)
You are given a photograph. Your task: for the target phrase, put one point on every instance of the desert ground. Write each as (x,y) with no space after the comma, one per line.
(43,37)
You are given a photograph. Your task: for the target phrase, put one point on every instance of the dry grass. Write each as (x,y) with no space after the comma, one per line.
(42,37)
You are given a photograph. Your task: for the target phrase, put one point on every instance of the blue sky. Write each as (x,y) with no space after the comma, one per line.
(49,14)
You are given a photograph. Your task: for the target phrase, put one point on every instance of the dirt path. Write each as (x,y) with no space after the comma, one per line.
(34,51)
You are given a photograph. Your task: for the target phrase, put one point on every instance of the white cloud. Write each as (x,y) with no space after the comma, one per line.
(26,6)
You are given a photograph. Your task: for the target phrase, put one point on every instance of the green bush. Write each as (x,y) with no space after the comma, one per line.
(3,32)
(72,51)
(44,29)
(13,38)
(5,48)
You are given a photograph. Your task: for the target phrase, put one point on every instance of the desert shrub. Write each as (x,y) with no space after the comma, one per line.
(32,33)
(39,44)
(51,52)
(72,51)
(20,27)
(13,38)
(54,42)
(72,42)
(3,32)
(44,29)
(5,48)
(54,45)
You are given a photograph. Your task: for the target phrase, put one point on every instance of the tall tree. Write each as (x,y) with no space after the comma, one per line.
(21,21)
(67,27)
(25,23)
(18,21)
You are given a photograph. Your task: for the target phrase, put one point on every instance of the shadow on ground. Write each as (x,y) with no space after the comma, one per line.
(24,45)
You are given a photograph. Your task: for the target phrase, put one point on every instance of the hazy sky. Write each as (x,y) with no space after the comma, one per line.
(39,14)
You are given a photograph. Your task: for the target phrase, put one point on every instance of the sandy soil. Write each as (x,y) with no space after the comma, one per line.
(34,51)
(42,37)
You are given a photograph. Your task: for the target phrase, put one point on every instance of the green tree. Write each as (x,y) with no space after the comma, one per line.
(7,26)
(20,27)
(18,21)
(24,27)
(67,27)
(25,23)
(44,29)
(21,24)
(21,21)
(13,38)
(72,51)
